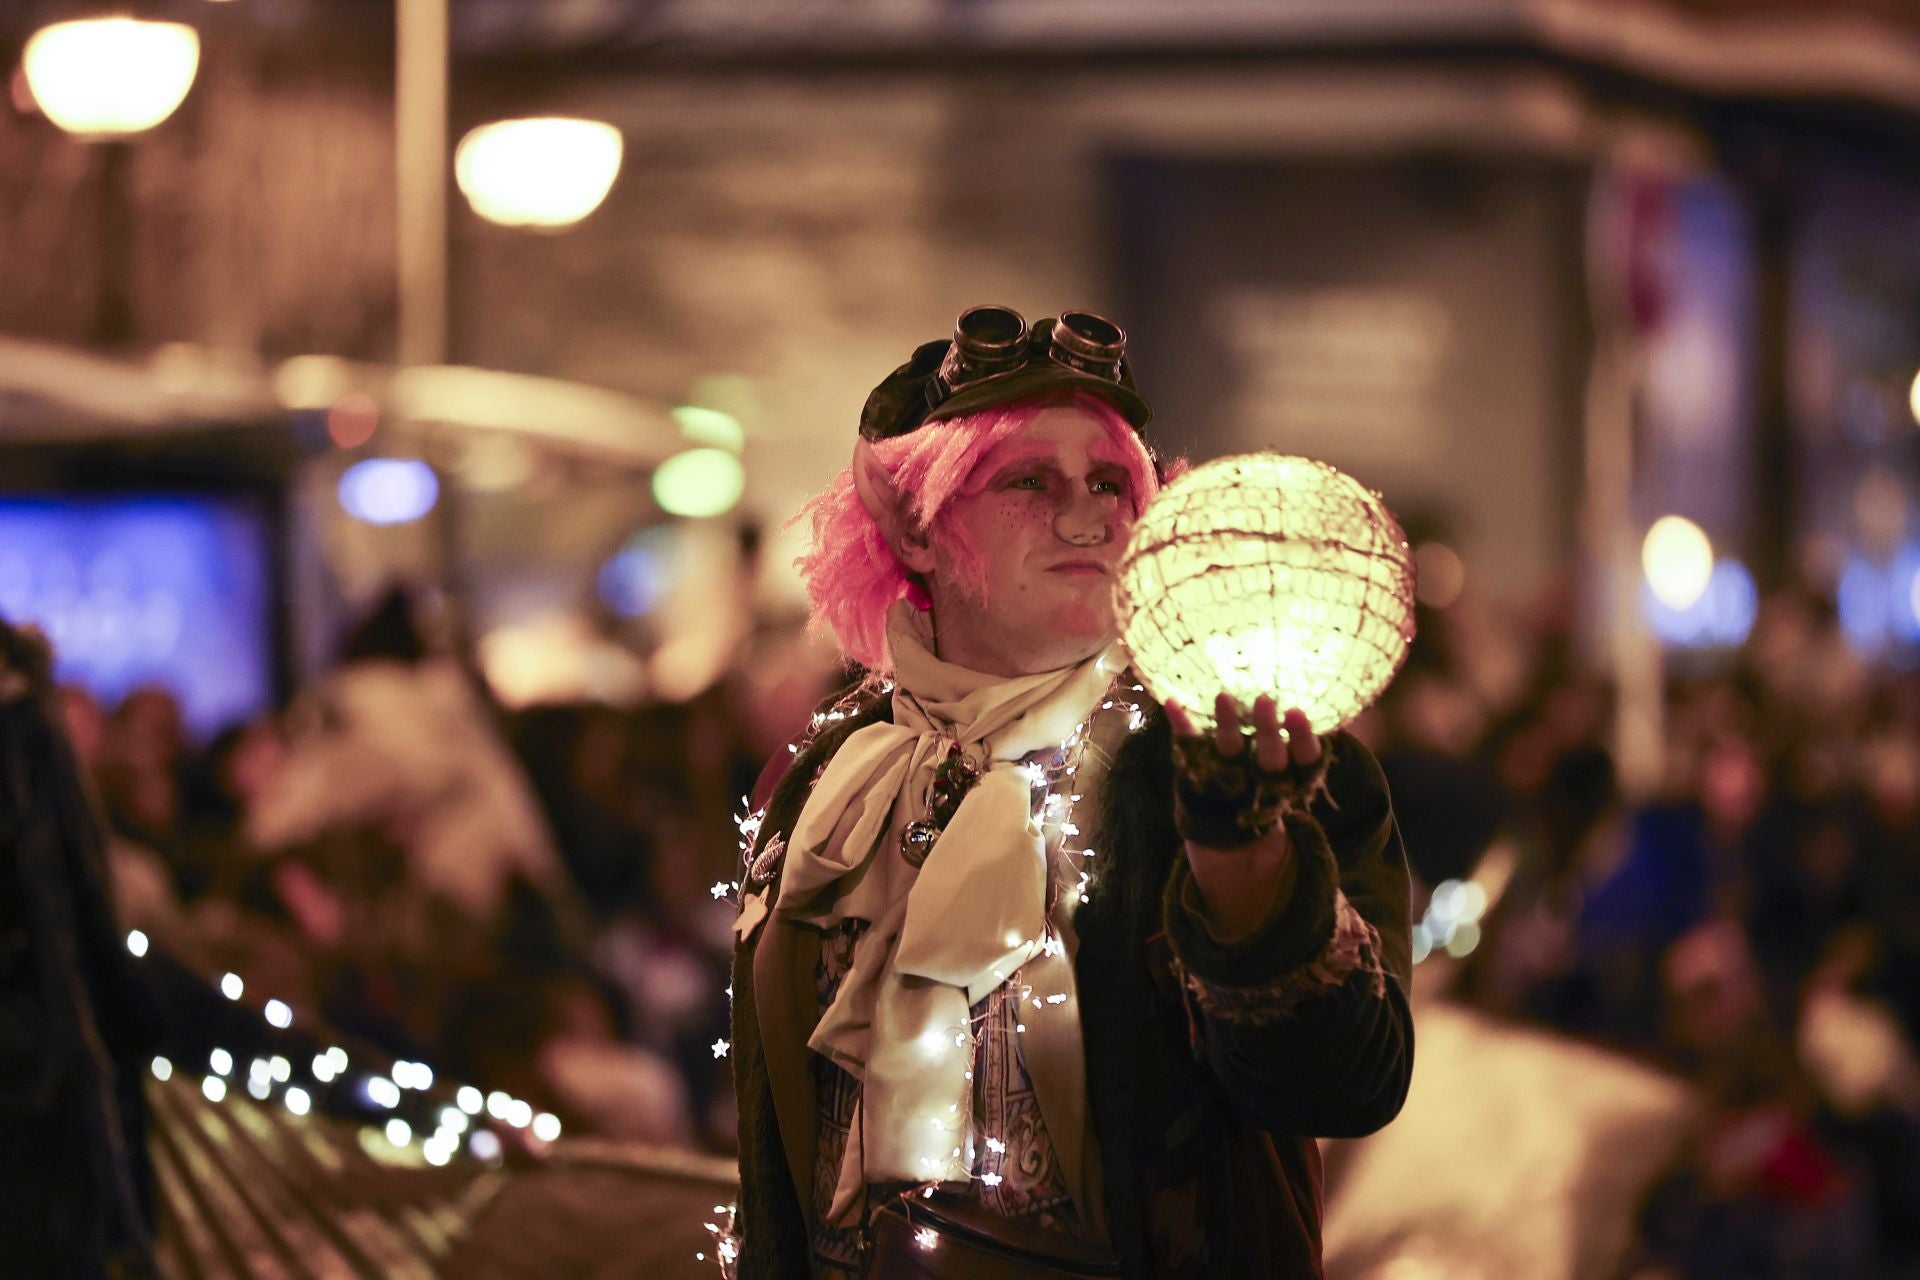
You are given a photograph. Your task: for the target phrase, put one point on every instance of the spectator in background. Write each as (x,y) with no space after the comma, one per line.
(76,1197)
(400,742)
(139,770)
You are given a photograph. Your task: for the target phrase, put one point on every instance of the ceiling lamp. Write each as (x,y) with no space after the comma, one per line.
(543,172)
(109,77)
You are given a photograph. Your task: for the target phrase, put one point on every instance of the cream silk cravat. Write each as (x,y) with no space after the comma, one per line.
(943,935)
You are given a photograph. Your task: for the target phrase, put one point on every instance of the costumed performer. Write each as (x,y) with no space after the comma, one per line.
(1032,979)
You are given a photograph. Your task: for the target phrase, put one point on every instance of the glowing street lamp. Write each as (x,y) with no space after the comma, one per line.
(110,77)
(546,171)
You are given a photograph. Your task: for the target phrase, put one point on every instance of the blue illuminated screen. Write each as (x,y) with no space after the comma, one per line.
(152,589)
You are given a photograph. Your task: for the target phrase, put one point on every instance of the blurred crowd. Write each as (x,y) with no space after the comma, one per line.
(1752,928)
(521,899)
(536,900)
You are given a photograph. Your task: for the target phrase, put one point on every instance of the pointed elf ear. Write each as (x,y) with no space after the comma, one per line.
(888,507)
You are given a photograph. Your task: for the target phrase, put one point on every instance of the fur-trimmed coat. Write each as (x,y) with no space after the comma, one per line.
(1211,1067)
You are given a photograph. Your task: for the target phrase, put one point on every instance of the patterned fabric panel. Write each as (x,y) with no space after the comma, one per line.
(1024,1180)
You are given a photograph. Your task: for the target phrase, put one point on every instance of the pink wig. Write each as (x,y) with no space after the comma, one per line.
(853,577)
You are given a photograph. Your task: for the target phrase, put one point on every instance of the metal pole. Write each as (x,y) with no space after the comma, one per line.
(1609,530)
(1639,728)
(420,179)
(421,54)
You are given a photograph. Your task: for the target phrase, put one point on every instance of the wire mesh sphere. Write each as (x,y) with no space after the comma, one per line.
(1267,574)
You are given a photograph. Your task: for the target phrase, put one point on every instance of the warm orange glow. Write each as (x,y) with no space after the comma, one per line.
(1439,573)
(107,77)
(1678,560)
(542,172)
(352,420)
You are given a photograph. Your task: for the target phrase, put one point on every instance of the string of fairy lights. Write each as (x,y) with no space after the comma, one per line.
(466,1117)
(1055,811)
(444,1120)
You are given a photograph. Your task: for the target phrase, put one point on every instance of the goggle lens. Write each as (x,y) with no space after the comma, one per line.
(993,340)
(1090,343)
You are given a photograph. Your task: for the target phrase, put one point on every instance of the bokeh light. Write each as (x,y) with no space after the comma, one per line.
(1678,560)
(388,490)
(546,171)
(1440,575)
(111,76)
(699,482)
(1879,601)
(710,427)
(1721,617)
(310,382)
(636,578)
(352,419)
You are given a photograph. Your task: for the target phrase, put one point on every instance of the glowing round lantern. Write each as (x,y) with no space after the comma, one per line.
(1267,574)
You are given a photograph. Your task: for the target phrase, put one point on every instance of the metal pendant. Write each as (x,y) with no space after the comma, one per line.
(916,842)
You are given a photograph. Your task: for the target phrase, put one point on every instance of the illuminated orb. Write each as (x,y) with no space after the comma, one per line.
(111,76)
(1678,560)
(548,171)
(1267,574)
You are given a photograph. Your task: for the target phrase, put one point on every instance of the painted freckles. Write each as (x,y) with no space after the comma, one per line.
(1027,573)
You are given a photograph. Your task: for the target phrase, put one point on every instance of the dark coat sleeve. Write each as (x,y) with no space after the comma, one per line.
(770,1224)
(1305,1024)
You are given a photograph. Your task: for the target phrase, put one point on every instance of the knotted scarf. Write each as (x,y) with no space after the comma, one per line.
(942,935)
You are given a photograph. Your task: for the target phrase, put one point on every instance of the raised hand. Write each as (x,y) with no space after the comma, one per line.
(1228,805)
(1278,741)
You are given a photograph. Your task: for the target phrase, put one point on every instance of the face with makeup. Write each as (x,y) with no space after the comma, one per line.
(1020,564)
